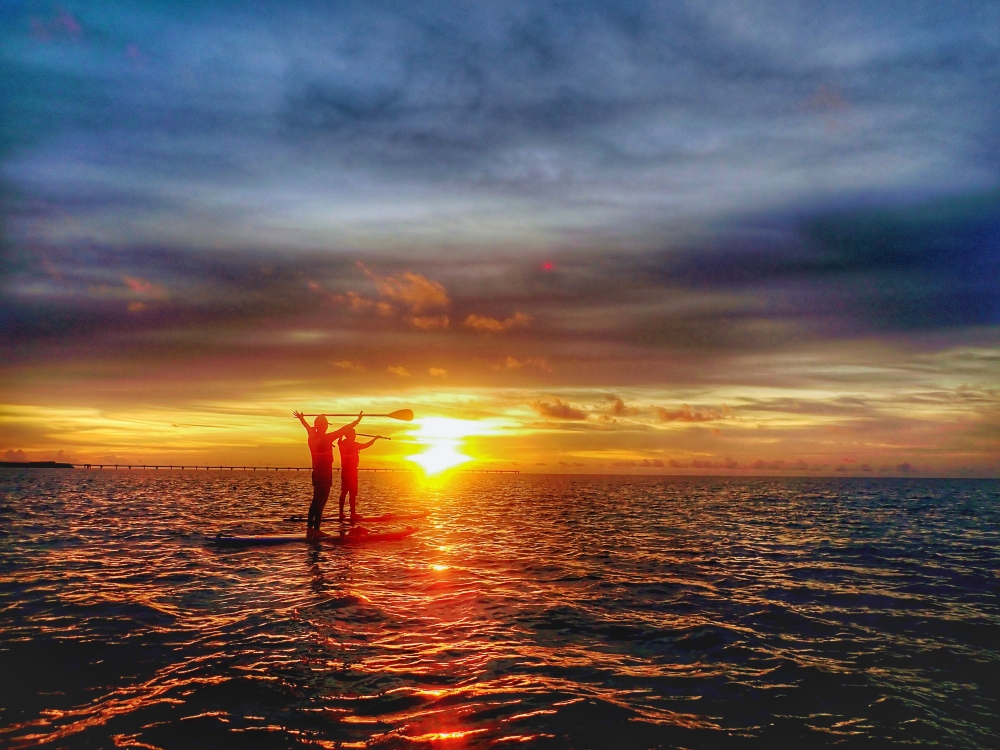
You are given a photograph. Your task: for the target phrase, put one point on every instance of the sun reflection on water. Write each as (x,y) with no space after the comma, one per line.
(662,612)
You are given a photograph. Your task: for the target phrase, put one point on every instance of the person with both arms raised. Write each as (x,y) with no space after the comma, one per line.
(321,448)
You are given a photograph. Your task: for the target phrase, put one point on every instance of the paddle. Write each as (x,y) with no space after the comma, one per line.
(404,414)
(361,434)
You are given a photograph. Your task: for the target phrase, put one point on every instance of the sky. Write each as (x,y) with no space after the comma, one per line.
(669,238)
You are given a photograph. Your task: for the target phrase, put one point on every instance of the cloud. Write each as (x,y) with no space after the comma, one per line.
(138,285)
(905,468)
(12,455)
(760,465)
(437,372)
(410,290)
(401,372)
(512,363)
(425,121)
(789,282)
(666,177)
(558,409)
(619,408)
(492,325)
(643,464)
(430,322)
(356,302)
(145,288)
(349,365)
(687,414)
(726,463)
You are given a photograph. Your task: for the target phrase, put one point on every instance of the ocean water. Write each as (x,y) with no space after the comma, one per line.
(528,611)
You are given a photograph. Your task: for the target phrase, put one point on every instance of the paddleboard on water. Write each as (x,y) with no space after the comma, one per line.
(384,518)
(353,537)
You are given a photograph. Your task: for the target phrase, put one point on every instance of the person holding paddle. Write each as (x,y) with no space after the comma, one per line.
(321,448)
(350,459)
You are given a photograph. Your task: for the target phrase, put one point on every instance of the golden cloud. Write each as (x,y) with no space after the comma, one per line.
(430,323)
(492,325)
(512,363)
(350,365)
(558,409)
(410,290)
(687,414)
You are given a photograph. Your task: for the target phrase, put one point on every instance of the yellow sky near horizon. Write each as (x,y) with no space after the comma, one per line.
(933,427)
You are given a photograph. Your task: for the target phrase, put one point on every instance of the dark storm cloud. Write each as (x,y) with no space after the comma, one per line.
(60,295)
(855,272)
(623,114)
(445,87)
(932,268)
(203,126)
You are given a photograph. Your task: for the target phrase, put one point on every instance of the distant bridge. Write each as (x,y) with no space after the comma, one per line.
(199,467)
(204,467)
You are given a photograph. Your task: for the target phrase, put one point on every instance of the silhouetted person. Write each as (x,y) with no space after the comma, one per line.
(349,461)
(321,448)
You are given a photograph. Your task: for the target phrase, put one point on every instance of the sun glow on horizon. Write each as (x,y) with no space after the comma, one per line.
(444,440)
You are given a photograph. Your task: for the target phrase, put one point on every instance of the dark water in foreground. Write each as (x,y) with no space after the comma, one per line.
(528,612)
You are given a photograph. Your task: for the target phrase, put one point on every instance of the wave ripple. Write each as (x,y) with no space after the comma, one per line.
(529,611)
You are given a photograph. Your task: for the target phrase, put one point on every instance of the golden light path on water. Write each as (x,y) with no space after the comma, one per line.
(528,611)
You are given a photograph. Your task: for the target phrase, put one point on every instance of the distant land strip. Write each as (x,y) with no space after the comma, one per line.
(200,467)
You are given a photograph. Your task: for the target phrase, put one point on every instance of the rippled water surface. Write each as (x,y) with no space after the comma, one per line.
(527,611)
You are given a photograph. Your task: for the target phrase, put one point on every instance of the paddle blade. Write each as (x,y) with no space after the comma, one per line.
(405,414)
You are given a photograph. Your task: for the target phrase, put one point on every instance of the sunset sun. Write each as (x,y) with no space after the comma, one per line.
(443,441)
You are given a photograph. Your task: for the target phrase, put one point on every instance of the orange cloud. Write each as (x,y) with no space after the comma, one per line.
(558,409)
(348,364)
(146,288)
(410,290)
(437,372)
(492,325)
(759,465)
(429,323)
(726,463)
(358,303)
(687,414)
(512,363)
(401,372)
(643,464)
(619,408)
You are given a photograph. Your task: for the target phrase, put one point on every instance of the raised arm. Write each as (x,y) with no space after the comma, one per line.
(302,419)
(362,446)
(340,431)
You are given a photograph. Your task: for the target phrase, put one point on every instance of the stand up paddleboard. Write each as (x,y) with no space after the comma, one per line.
(384,518)
(352,537)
